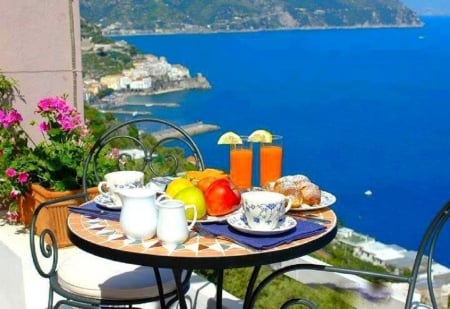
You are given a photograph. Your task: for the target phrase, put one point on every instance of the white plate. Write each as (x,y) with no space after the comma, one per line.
(211,219)
(239,222)
(106,202)
(327,199)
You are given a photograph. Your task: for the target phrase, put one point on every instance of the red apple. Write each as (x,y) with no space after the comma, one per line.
(222,197)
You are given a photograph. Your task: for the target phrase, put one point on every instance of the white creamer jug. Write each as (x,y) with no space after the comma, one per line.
(172,229)
(139,215)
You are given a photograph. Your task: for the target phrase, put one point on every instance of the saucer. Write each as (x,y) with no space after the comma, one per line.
(239,222)
(106,202)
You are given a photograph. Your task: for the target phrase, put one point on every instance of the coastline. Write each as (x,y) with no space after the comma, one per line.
(135,32)
(120,99)
(156,92)
(192,129)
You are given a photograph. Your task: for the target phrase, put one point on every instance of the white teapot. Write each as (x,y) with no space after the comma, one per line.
(139,215)
(172,229)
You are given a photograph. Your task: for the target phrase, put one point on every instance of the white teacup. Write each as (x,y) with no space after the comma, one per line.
(264,209)
(120,180)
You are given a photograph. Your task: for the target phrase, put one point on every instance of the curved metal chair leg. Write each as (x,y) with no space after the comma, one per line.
(251,286)
(299,301)
(254,295)
(50,298)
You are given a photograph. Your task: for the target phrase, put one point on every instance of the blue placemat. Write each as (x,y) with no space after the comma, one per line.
(91,209)
(303,229)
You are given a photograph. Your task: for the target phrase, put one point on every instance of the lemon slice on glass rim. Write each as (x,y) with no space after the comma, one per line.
(260,136)
(229,138)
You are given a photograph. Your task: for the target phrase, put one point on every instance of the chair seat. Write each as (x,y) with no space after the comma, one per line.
(91,276)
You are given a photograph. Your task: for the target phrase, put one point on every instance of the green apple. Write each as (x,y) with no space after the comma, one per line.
(192,196)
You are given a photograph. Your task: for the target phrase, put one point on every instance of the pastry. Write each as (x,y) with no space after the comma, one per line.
(299,179)
(311,194)
(300,188)
(286,186)
(290,189)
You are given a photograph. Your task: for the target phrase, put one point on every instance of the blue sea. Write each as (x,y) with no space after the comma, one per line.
(360,109)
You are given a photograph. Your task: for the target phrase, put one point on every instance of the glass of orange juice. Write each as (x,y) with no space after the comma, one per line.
(241,161)
(270,160)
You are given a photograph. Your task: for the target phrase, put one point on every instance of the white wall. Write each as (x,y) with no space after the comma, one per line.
(40,48)
(12,295)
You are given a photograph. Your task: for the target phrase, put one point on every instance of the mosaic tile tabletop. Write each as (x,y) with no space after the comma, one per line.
(106,233)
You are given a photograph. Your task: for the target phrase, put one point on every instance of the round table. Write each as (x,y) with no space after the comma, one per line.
(104,238)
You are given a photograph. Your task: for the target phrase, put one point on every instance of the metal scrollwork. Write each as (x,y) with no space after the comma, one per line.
(150,157)
(48,248)
(299,301)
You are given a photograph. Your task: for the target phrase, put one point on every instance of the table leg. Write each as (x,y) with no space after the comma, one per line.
(219,288)
(251,286)
(160,287)
(178,273)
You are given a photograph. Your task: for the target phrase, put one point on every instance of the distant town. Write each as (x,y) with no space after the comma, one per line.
(150,75)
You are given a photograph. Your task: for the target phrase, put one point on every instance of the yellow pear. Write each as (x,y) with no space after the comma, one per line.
(192,196)
(177,185)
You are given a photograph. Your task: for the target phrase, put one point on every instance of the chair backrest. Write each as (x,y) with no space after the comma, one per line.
(426,249)
(155,146)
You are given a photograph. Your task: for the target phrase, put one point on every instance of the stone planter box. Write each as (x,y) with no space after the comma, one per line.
(53,217)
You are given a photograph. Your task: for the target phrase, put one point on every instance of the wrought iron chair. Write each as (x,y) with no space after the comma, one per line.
(87,281)
(141,156)
(426,249)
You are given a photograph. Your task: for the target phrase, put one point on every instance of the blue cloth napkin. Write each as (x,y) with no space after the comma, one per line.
(91,209)
(303,229)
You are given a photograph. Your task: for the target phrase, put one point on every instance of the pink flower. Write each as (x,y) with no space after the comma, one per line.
(114,154)
(84,131)
(68,123)
(10,118)
(44,126)
(15,116)
(45,105)
(22,177)
(76,119)
(54,105)
(10,172)
(14,193)
(60,105)
(12,216)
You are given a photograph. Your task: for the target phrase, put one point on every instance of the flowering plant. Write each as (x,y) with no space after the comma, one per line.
(55,163)
(57,160)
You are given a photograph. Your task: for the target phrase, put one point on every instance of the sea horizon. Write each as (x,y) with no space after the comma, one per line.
(359,110)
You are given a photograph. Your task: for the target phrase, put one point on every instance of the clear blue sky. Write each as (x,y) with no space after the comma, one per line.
(429,7)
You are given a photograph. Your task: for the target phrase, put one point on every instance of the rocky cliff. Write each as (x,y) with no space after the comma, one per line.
(152,16)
